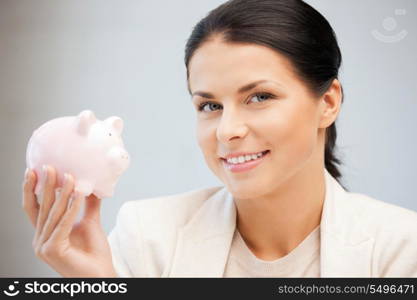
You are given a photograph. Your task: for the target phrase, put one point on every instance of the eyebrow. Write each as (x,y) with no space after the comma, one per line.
(241,90)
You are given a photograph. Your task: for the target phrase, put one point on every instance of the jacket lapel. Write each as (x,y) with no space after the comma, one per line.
(203,244)
(346,249)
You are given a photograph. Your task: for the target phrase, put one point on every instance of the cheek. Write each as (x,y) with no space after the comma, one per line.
(293,134)
(206,138)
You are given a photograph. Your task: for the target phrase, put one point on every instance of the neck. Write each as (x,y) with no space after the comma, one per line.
(273,224)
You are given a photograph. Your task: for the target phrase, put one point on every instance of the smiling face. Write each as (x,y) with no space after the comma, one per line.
(278,114)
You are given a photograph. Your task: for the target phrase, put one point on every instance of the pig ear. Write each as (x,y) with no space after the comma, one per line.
(85,119)
(116,123)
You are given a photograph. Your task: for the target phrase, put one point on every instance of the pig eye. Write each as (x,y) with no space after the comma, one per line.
(109,134)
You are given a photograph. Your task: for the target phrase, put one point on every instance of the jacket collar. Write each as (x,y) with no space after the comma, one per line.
(203,244)
(346,249)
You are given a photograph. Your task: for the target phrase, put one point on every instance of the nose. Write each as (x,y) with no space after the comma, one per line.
(124,156)
(119,158)
(230,126)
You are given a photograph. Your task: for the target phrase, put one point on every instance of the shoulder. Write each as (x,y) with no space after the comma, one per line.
(143,239)
(394,230)
(381,214)
(168,210)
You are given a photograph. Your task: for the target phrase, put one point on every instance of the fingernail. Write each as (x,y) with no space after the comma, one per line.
(65,178)
(72,199)
(45,172)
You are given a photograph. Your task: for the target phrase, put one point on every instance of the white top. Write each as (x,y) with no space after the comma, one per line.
(302,261)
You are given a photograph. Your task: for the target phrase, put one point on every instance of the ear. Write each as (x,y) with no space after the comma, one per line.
(116,123)
(85,119)
(331,103)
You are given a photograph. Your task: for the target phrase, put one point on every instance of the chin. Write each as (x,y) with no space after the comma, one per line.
(243,191)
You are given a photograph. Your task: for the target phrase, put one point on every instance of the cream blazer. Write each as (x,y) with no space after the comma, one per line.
(190,234)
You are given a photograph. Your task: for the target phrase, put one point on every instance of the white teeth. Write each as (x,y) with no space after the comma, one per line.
(243,158)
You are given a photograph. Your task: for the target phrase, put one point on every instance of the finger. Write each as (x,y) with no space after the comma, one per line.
(48,198)
(58,209)
(30,202)
(64,227)
(92,208)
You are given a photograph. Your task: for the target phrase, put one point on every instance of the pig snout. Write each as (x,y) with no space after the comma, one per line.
(119,159)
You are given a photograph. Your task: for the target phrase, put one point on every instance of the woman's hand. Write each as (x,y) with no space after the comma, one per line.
(73,250)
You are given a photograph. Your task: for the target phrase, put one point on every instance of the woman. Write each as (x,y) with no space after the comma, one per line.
(263,78)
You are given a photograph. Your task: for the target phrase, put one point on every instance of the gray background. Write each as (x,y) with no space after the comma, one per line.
(125,58)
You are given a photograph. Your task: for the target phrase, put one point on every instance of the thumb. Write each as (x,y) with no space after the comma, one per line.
(92,208)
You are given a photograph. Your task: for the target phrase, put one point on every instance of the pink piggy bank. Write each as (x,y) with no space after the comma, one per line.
(92,151)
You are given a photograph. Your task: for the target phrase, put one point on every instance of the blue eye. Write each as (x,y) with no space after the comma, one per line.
(261,96)
(202,105)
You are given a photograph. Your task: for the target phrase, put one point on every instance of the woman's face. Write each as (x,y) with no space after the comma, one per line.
(279,115)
